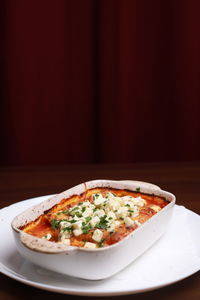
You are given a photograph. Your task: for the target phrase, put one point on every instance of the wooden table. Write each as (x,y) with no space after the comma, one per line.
(20,183)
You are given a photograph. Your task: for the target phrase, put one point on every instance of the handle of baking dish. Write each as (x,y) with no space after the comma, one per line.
(142,184)
(43,246)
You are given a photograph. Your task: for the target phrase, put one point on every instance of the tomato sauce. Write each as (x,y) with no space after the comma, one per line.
(43,225)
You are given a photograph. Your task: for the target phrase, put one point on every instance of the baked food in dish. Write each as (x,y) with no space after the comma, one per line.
(73,233)
(97,218)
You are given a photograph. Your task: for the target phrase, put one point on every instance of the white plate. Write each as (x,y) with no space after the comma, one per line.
(174,257)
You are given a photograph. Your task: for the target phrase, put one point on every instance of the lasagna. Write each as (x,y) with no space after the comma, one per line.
(97,218)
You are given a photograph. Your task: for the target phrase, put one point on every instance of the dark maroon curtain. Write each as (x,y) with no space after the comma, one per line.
(99,81)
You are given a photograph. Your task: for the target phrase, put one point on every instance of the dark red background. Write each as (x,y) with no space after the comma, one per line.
(99,81)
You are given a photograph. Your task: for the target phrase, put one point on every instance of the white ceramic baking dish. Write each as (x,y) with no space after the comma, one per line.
(96,263)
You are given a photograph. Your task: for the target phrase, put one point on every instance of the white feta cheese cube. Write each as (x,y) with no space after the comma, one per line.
(86,203)
(97,235)
(125,199)
(88,212)
(90,245)
(122,212)
(139,201)
(77,225)
(77,232)
(98,201)
(92,206)
(64,234)
(95,220)
(128,221)
(156,208)
(110,195)
(47,236)
(112,215)
(100,213)
(133,211)
(64,224)
(113,204)
(111,227)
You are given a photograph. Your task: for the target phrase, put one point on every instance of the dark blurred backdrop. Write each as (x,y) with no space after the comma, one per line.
(99,81)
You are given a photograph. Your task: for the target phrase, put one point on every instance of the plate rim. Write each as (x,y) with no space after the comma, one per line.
(70,291)
(89,293)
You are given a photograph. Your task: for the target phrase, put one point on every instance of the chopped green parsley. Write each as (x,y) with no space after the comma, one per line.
(103,224)
(55,224)
(86,228)
(100,243)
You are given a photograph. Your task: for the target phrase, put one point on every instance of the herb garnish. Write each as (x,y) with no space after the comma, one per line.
(86,227)
(100,243)
(103,224)
(55,224)
(72,221)
(78,214)
(66,212)
(69,229)
(74,208)
(88,219)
